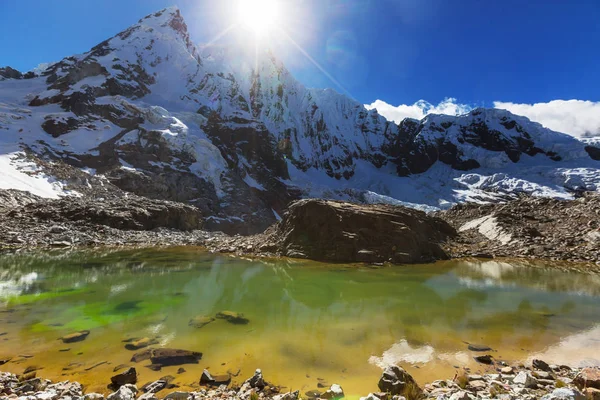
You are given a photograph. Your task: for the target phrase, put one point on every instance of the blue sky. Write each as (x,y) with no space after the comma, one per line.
(398,51)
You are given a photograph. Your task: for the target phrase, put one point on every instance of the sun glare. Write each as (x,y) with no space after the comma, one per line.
(260,16)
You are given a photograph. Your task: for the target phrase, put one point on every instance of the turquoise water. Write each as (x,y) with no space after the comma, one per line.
(308,320)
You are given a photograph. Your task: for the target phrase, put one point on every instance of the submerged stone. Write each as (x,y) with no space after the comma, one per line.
(140,344)
(75,337)
(200,321)
(233,317)
(478,347)
(165,357)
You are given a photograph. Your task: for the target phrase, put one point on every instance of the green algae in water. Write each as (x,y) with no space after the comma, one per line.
(307,320)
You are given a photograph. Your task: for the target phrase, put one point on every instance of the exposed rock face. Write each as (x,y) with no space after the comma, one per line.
(131,213)
(528,227)
(345,232)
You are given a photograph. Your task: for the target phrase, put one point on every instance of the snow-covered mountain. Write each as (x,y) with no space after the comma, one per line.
(240,138)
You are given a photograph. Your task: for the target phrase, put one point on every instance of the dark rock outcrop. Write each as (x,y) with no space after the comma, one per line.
(130,213)
(345,232)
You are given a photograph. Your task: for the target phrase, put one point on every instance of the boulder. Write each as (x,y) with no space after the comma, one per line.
(397,381)
(345,232)
(127,377)
(166,357)
(233,317)
(200,321)
(75,337)
(588,377)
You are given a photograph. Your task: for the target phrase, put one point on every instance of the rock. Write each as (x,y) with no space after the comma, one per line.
(313,394)
(93,396)
(257,381)
(125,392)
(344,232)
(75,337)
(462,395)
(506,370)
(564,394)
(478,385)
(526,379)
(541,365)
(127,377)
(397,381)
(177,396)
(233,317)
(181,370)
(142,356)
(126,213)
(120,366)
(27,376)
(217,380)
(334,392)
(5,360)
(588,377)
(206,377)
(140,344)
(478,347)
(166,357)
(148,396)
(200,321)
(154,387)
(542,375)
(591,393)
(288,396)
(485,359)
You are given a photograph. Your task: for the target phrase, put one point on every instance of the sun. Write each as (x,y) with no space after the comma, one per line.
(259,16)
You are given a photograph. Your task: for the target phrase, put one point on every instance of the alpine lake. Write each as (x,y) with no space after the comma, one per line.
(307,322)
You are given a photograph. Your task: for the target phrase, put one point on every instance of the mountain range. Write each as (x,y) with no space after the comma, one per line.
(239,138)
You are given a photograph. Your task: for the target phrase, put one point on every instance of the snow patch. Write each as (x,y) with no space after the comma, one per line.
(488,227)
(20,174)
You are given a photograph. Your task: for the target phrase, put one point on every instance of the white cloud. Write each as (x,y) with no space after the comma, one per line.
(418,110)
(576,117)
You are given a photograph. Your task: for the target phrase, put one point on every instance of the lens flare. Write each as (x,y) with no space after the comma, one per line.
(260,16)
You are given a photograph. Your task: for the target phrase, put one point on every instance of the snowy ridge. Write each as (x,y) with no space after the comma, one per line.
(242,137)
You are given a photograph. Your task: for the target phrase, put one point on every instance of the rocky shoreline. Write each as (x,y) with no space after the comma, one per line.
(564,232)
(509,382)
